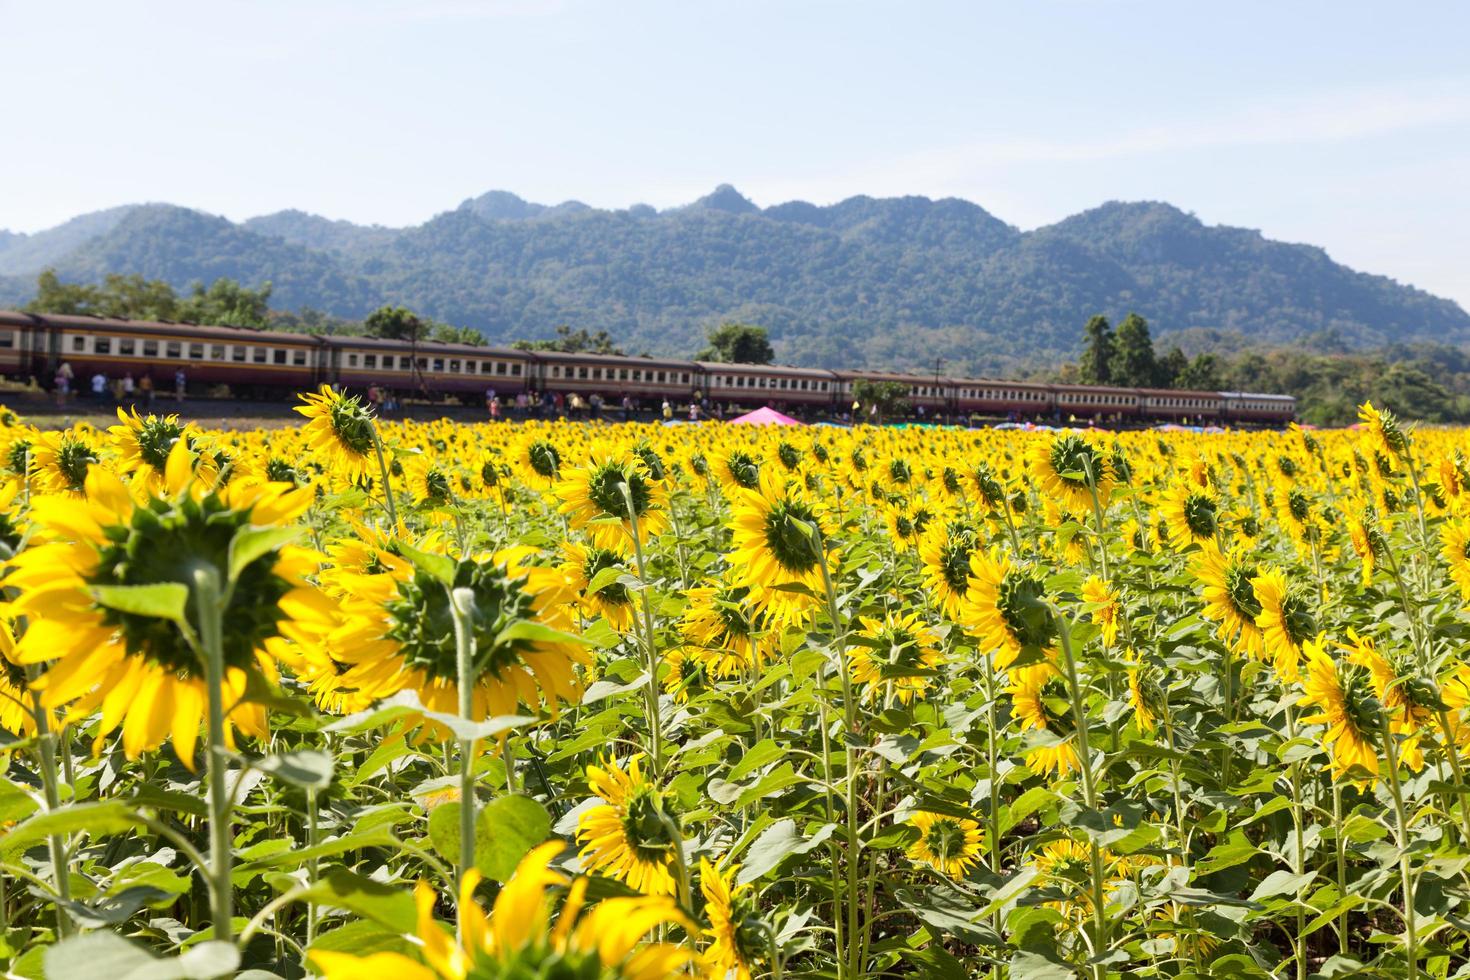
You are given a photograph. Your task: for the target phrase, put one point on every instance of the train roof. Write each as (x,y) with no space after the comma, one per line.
(1256,394)
(162,328)
(434,346)
(722,366)
(1178,393)
(560,357)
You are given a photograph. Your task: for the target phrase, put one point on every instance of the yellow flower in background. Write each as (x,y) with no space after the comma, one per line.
(1285,620)
(631,836)
(895,656)
(1070,469)
(1191,514)
(340,429)
(779,539)
(949,845)
(593,500)
(1006,610)
(1230,598)
(1454,535)
(1107,610)
(1039,704)
(1341,694)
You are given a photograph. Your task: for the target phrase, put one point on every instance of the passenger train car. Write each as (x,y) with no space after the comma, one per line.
(260,363)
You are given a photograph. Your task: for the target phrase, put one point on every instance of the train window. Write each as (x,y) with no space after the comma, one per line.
(150,348)
(298,357)
(684,378)
(237,353)
(454,365)
(370,360)
(622,374)
(352,360)
(7,338)
(79,343)
(279,354)
(499,367)
(257,355)
(597,374)
(662,377)
(126,346)
(196,351)
(216,352)
(173,348)
(102,345)
(515,370)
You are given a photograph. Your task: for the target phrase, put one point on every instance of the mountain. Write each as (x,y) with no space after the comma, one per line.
(883,282)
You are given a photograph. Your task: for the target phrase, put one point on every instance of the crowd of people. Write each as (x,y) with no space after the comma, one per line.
(104,389)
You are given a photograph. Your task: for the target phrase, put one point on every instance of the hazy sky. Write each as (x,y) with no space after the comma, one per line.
(1343,124)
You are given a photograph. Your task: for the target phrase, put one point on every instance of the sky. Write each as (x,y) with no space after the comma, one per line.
(1342,124)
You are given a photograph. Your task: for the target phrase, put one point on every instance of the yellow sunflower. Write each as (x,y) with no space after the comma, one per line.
(1230,599)
(1285,621)
(340,429)
(1005,610)
(1342,695)
(398,634)
(519,939)
(737,470)
(944,557)
(1038,703)
(611,599)
(898,654)
(631,836)
(949,845)
(1406,697)
(17,707)
(142,671)
(1384,430)
(143,446)
(776,536)
(737,941)
(1454,536)
(732,638)
(1191,515)
(61,461)
(1070,469)
(592,499)
(1107,608)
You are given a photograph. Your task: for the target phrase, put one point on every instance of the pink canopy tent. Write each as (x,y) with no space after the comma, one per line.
(764,416)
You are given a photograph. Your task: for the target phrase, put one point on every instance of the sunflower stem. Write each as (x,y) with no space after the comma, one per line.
(462,609)
(211,644)
(1401,827)
(383,473)
(855,946)
(46,745)
(1340,853)
(651,693)
(1101,941)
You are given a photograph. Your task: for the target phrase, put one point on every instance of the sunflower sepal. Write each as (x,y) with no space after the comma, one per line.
(160,600)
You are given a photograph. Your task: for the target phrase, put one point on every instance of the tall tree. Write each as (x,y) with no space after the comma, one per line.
(1172,368)
(397,323)
(1096,366)
(227,303)
(1135,364)
(738,343)
(891,398)
(1202,374)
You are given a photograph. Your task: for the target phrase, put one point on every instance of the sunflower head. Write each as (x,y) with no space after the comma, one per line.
(1072,470)
(948,844)
(1385,429)
(341,428)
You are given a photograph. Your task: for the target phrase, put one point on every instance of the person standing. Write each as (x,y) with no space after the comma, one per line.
(668,411)
(127,388)
(181,381)
(99,387)
(145,385)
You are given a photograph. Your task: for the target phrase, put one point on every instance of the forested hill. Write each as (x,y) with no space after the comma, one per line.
(883,282)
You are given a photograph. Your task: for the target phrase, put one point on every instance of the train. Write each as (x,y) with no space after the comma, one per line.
(256,363)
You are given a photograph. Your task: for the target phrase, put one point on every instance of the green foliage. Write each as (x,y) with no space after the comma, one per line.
(1096,366)
(738,343)
(1134,364)
(396,323)
(891,397)
(567,342)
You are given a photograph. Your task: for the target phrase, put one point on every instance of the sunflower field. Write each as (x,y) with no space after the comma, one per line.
(433,700)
